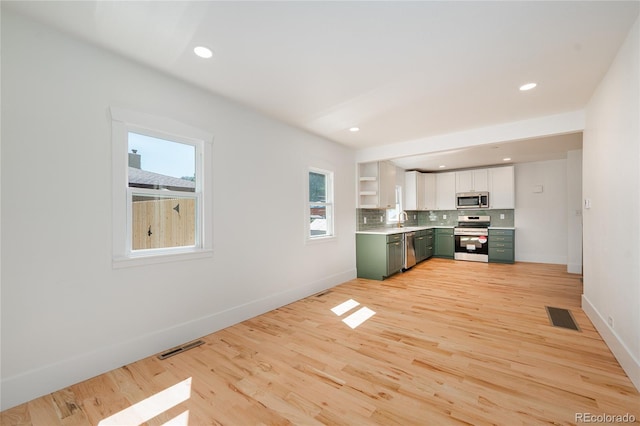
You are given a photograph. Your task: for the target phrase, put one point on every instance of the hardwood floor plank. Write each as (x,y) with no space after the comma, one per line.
(450,343)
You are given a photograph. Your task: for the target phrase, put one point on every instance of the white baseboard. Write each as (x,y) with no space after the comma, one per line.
(627,361)
(50,378)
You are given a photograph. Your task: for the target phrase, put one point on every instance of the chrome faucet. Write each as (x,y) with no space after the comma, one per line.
(401,215)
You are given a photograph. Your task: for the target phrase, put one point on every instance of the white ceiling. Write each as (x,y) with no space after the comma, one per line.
(398,70)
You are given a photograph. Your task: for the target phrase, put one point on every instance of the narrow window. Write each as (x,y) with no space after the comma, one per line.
(320,208)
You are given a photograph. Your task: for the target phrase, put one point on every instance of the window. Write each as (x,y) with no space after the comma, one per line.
(163,193)
(160,173)
(320,207)
(394,214)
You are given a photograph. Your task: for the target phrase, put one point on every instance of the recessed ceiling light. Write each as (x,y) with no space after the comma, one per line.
(354,129)
(442,166)
(506,159)
(203,52)
(528,86)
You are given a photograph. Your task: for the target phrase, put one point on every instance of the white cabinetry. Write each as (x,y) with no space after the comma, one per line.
(446,191)
(414,191)
(429,191)
(420,191)
(376,185)
(502,188)
(472,180)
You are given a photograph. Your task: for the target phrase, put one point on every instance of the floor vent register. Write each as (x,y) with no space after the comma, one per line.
(560,317)
(179,349)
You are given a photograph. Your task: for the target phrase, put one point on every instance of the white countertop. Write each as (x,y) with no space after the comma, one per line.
(396,230)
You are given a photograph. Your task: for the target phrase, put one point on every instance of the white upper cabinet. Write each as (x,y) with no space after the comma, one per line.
(472,180)
(420,191)
(502,188)
(413,190)
(376,185)
(429,191)
(446,191)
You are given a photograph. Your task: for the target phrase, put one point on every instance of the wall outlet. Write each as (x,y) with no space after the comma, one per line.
(444,216)
(610,321)
(587,203)
(381,219)
(365,220)
(501,215)
(415,217)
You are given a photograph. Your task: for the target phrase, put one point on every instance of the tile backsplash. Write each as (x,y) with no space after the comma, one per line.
(376,218)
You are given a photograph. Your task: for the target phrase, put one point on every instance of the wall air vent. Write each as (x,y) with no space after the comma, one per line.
(179,349)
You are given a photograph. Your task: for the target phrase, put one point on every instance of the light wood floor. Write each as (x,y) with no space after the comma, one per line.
(450,343)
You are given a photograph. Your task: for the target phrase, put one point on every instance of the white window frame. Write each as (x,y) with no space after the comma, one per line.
(329,205)
(394,215)
(125,121)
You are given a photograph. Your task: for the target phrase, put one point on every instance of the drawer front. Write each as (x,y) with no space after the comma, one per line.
(429,240)
(394,238)
(500,239)
(500,255)
(444,231)
(421,233)
(507,245)
(498,232)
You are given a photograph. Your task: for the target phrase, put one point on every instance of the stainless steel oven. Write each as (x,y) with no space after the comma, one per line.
(472,238)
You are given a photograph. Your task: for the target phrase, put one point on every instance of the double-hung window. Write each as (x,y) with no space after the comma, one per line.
(320,208)
(160,173)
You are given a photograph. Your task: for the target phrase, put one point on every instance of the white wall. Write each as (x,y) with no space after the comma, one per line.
(574,212)
(541,217)
(67,314)
(611,180)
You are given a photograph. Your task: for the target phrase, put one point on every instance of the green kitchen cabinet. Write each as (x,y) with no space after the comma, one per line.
(420,245)
(444,246)
(429,243)
(424,244)
(378,256)
(502,245)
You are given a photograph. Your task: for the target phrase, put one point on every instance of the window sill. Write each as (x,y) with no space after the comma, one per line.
(156,258)
(318,240)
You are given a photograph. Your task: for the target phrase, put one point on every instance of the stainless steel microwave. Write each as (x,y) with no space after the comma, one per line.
(472,200)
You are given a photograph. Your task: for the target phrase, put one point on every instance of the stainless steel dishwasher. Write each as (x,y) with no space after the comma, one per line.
(409,249)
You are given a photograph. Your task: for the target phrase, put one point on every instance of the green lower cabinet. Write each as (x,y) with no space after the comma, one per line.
(502,245)
(378,256)
(445,243)
(420,243)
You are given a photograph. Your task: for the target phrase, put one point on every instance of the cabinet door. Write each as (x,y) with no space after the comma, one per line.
(502,188)
(444,244)
(446,191)
(394,257)
(429,191)
(480,180)
(421,248)
(413,191)
(464,181)
(387,182)
(472,180)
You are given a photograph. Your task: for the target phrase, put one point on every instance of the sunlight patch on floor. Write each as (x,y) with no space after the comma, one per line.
(356,318)
(153,406)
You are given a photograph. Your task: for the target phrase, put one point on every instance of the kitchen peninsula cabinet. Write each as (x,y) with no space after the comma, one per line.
(378,256)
